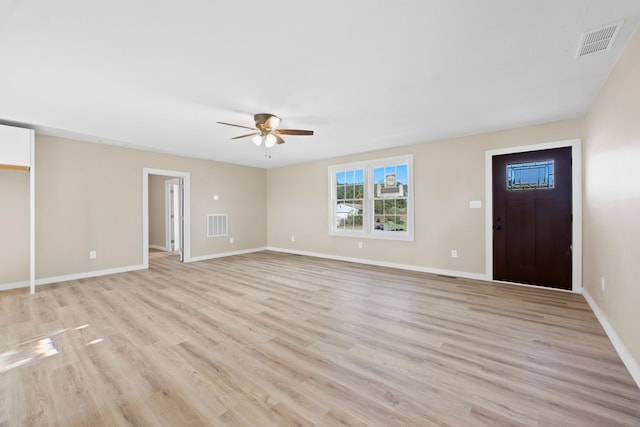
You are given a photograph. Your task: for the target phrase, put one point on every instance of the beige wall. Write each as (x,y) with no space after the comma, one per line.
(89,197)
(157,211)
(612,198)
(447,175)
(14,226)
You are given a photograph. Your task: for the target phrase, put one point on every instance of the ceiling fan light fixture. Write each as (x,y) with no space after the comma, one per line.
(257,139)
(270,140)
(266,130)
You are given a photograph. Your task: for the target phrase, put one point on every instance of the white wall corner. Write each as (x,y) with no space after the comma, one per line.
(627,358)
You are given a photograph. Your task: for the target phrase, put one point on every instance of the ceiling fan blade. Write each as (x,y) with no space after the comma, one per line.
(293,132)
(238,126)
(278,139)
(244,136)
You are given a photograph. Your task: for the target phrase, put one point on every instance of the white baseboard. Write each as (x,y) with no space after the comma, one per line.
(75,276)
(158,247)
(632,365)
(224,254)
(454,273)
(14,285)
(97,273)
(88,274)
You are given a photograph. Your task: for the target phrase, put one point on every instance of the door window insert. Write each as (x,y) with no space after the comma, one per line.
(530,175)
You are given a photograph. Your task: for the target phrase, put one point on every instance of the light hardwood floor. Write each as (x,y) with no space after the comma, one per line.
(271,339)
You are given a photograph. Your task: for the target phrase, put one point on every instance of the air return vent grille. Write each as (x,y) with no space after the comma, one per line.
(217,225)
(599,39)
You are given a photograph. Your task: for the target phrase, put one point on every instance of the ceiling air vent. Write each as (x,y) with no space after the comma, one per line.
(599,39)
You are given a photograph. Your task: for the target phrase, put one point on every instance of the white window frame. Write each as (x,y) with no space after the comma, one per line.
(368,231)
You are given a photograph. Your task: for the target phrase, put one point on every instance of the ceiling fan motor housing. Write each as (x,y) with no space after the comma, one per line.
(266,122)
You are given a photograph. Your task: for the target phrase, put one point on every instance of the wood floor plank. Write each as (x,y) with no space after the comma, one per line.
(272,339)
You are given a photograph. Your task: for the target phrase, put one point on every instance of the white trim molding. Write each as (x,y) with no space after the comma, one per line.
(631,364)
(89,274)
(408,267)
(32,214)
(225,254)
(74,276)
(186,182)
(16,285)
(576,194)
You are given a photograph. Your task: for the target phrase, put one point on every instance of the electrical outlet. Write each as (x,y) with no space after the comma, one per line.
(231,240)
(360,245)
(602,283)
(454,253)
(293,239)
(93,255)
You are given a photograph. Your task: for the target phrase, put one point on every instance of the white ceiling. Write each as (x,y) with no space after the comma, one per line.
(363,74)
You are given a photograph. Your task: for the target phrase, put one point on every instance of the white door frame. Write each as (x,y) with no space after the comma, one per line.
(186,182)
(576,195)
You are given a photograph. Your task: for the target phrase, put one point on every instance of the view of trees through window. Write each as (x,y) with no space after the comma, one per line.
(372,199)
(390,198)
(350,199)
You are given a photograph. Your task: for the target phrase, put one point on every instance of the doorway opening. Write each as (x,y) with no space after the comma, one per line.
(534,226)
(166,201)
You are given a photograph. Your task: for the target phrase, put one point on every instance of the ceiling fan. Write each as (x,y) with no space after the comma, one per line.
(267,131)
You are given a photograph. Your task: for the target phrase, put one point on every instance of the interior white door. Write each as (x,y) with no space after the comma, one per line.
(174,215)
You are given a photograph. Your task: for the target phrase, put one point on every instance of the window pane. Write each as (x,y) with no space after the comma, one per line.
(391,181)
(379,222)
(387,209)
(348,192)
(343,212)
(389,206)
(530,175)
(402,174)
(378,207)
(396,223)
(390,197)
(349,200)
(378,175)
(349,177)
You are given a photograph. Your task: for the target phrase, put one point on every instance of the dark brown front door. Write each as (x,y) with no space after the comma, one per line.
(532,217)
